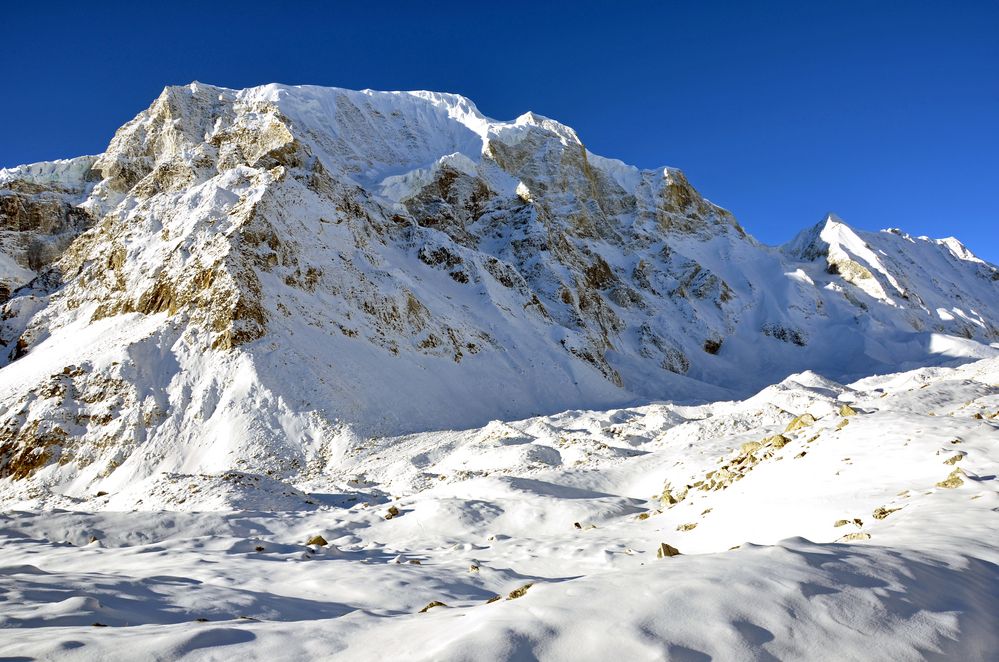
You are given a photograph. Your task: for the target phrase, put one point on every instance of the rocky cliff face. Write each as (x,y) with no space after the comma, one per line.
(258,279)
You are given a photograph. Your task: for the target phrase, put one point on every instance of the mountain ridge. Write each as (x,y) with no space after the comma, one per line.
(267,275)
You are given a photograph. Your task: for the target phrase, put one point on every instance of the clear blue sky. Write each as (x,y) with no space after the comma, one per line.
(884,112)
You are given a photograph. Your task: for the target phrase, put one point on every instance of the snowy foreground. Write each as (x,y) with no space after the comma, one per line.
(540,538)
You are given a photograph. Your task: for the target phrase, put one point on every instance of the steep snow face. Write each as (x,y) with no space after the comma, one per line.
(276,272)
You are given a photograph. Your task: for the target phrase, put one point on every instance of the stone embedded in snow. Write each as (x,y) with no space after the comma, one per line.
(953,480)
(432,605)
(391,512)
(859,535)
(687,527)
(846,410)
(666,550)
(519,592)
(882,512)
(842,424)
(954,459)
(841,522)
(800,422)
(317,540)
(777,441)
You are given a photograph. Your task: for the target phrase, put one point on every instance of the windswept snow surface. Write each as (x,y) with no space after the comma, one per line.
(868,534)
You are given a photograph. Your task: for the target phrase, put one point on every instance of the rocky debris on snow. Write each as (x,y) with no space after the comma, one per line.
(519,592)
(317,540)
(953,480)
(431,605)
(954,459)
(799,422)
(687,527)
(846,410)
(859,535)
(882,512)
(666,550)
(391,512)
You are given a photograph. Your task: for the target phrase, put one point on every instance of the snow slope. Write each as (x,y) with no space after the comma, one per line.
(869,533)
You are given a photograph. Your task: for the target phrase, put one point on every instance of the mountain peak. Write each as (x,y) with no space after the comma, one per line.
(265,274)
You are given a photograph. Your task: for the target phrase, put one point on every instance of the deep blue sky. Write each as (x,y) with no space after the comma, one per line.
(884,112)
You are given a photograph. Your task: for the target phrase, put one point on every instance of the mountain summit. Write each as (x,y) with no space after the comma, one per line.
(257,279)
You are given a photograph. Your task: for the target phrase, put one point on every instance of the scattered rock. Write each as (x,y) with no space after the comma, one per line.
(415,562)
(669,498)
(100,625)
(431,605)
(882,512)
(519,592)
(391,512)
(847,410)
(101,493)
(314,540)
(953,480)
(687,527)
(954,460)
(258,548)
(642,516)
(473,567)
(779,440)
(800,422)
(859,535)
(858,522)
(801,454)
(712,346)
(842,424)
(577,525)
(665,551)
(201,620)
(493,599)
(841,522)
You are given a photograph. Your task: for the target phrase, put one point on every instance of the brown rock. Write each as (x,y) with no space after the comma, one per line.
(800,422)
(953,480)
(431,605)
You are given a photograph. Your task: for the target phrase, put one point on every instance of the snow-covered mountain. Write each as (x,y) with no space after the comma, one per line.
(259,280)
